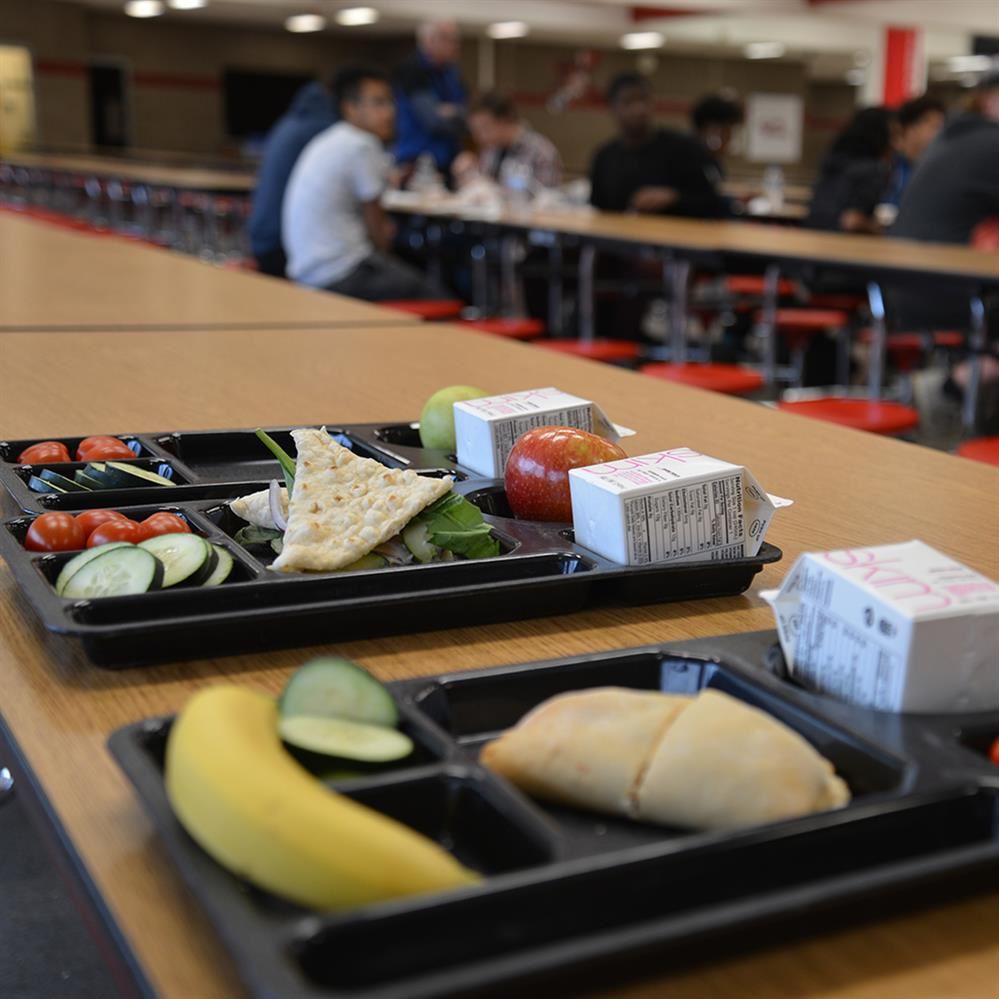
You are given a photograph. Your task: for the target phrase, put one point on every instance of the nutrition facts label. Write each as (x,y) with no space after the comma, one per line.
(704,518)
(505,432)
(834,658)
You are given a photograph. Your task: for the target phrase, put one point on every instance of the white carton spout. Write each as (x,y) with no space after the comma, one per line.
(486,429)
(670,506)
(896,627)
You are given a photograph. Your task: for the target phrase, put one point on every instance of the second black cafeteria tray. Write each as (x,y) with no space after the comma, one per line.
(572,899)
(540,571)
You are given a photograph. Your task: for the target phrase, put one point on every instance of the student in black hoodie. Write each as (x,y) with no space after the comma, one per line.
(855,174)
(648,169)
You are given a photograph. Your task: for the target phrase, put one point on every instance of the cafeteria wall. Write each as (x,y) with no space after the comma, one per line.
(176,72)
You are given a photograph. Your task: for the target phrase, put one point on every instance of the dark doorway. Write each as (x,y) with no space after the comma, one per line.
(108,116)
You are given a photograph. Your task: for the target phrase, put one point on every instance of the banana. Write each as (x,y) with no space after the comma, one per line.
(250,805)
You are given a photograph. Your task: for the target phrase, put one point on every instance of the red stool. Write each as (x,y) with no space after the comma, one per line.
(512,329)
(755,285)
(241,264)
(429,310)
(848,303)
(595,350)
(982,449)
(907,349)
(729,379)
(861,414)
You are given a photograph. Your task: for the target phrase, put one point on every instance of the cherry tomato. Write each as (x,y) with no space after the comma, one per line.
(994,753)
(90,520)
(163,523)
(43,453)
(115,530)
(102,449)
(54,532)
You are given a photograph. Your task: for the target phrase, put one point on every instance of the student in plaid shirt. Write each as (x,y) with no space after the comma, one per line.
(508,147)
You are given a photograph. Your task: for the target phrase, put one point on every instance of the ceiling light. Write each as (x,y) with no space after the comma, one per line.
(764,50)
(856,77)
(301,23)
(507,29)
(969,63)
(352,17)
(187,4)
(144,8)
(642,40)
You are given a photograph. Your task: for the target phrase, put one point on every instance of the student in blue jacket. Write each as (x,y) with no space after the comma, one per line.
(311,112)
(430,98)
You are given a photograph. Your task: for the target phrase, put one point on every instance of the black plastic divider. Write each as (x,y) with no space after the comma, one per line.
(567,894)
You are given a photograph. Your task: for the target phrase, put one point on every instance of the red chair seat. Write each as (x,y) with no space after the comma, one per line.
(429,309)
(906,349)
(730,379)
(595,350)
(512,329)
(861,414)
(810,320)
(755,284)
(847,303)
(982,449)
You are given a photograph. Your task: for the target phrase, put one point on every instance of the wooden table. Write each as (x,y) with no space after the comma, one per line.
(180,178)
(850,489)
(54,279)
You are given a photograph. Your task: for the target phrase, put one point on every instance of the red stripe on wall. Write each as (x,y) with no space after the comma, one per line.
(55,67)
(900,55)
(646,13)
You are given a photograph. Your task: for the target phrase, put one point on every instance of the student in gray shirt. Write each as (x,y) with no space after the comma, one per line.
(336,235)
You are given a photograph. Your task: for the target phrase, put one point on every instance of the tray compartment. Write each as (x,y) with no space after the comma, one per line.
(9,450)
(644,907)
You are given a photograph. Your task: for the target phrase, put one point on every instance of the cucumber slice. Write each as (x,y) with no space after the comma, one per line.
(37,485)
(223,567)
(347,740)
(129,476)
(416,537)
(114,572)
(334,687)
(74,565)
(98,472)
(369,561)
(66,485)
(186,558)
(86,480)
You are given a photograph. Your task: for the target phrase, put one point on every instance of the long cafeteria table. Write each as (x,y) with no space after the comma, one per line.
(181,178)
(849,489)
(57,280)
(682,243)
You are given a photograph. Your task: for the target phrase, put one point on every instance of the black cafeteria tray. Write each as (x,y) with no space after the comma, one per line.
(576,899)
(540,571)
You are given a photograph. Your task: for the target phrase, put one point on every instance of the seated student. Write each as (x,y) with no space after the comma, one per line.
(854,175)
(335,232)
(649,169)
(714,120)
(510,152)
(919,123)
(955,188)
(310,112)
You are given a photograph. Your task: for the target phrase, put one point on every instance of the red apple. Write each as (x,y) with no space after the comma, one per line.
(537,471)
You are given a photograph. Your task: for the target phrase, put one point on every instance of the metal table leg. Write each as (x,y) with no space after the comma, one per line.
(768,324)
(876,369)
(556,320)
(976,341)
(587,266)
(676,275)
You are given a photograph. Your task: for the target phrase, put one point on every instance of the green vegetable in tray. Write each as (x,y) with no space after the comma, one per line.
(456,525)
(336,687)
(285,460)
(253,535)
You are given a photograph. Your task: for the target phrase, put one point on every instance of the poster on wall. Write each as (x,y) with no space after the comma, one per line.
(773,128)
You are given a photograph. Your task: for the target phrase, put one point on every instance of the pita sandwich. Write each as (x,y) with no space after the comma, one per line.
(705,762)
(344,506)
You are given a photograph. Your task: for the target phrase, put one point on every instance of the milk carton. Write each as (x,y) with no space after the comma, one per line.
(486,429)
(897,627)
(671,506)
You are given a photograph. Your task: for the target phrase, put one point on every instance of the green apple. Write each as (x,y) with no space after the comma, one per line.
(437,418)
